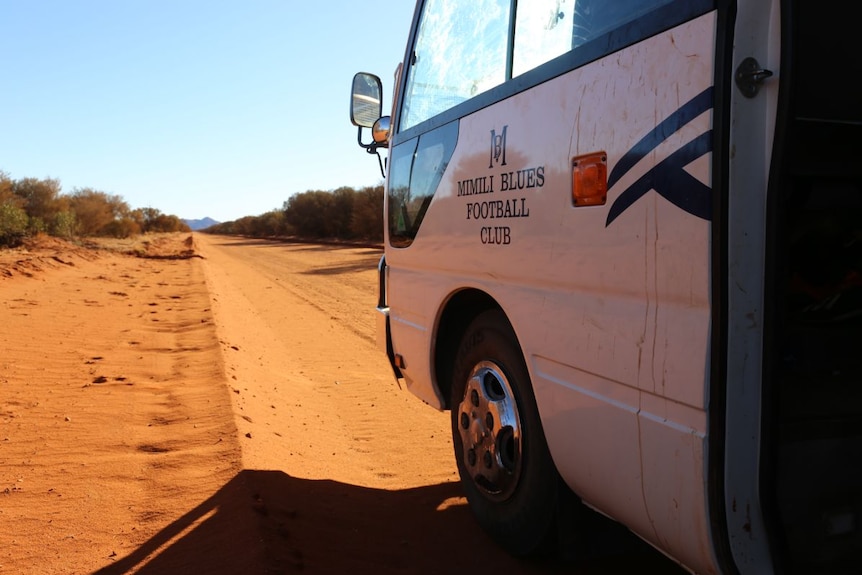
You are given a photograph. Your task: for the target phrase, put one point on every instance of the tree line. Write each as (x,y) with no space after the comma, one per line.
(344,214)
(31,206)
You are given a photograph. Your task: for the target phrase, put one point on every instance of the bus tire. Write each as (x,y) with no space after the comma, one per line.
(509,479)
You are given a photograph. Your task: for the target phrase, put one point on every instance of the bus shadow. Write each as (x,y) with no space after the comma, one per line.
(303,244)
(270,522)
(361,265)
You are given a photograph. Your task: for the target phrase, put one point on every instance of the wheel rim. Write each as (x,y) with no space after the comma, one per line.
(490,430)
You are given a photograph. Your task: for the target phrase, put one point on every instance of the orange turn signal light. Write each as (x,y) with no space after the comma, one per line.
(590,179)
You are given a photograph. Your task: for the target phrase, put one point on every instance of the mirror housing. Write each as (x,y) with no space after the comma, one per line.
(366,100)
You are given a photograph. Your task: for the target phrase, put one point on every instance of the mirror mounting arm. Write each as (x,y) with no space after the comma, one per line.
(372,148)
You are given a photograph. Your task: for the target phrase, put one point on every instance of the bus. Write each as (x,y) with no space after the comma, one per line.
(623,248)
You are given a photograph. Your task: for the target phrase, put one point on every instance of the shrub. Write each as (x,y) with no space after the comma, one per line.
(13,224)
(122,228)
(65,225)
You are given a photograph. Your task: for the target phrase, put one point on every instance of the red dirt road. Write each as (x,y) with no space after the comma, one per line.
(219,406)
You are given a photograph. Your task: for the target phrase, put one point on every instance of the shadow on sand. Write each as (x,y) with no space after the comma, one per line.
(307,244)
(265,522)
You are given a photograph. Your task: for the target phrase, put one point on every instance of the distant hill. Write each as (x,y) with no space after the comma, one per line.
(201,224)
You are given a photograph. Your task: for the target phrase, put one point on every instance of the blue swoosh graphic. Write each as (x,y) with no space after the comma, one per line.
(668,178)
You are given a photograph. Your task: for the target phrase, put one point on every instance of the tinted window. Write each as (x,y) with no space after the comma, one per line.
(414,174)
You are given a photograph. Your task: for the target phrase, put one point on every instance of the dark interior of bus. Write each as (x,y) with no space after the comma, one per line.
(813,377)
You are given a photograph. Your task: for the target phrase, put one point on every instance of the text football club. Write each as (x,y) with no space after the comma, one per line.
(504,179)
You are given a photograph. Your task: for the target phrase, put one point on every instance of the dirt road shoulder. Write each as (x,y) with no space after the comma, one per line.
(115,419)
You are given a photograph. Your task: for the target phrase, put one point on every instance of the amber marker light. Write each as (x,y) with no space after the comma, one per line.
(590,179)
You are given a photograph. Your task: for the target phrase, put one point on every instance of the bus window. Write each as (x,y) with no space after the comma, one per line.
(546,29)
(594,18)
(543,31)
(401,228)
(460,51)
(414,175)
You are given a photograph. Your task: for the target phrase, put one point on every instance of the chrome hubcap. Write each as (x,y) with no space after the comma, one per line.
(490,431)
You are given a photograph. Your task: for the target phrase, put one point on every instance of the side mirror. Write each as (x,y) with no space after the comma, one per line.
(366,100)
(380,132)
(366,109)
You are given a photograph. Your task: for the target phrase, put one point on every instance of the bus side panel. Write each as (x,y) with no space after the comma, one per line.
(674,483)
(609,303)
(411,325)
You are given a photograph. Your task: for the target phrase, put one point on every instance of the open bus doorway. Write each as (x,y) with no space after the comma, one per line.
(814,302)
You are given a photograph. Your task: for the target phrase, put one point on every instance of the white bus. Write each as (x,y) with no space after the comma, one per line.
(624,249)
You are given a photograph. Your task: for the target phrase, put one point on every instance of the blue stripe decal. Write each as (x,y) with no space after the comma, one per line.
(668,178)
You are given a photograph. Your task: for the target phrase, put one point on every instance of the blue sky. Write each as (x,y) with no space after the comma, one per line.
(196,108)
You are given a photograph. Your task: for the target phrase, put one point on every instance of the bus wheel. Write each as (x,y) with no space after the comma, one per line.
(505,467)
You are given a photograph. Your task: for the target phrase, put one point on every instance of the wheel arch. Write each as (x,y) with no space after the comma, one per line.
(459,311)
